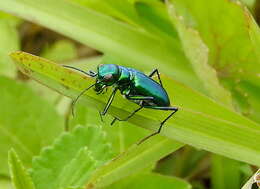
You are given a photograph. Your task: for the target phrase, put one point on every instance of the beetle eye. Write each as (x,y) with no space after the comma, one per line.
(108,77)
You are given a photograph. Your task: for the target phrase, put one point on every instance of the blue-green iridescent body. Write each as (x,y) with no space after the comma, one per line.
(132,82)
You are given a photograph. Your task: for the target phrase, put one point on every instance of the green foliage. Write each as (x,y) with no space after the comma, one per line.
(19,175)
(22,121)
(209,54)
(132,160)
(71,160)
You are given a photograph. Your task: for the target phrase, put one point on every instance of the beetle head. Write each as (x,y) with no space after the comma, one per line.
(108,74)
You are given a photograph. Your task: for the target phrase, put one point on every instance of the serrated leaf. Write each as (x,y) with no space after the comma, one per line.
(23,125)
(151,181)
(55,163)
(77,172)
(19,175)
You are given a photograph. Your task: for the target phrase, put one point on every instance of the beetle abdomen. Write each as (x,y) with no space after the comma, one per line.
(145,86)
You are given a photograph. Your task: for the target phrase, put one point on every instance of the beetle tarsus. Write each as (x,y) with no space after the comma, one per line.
(101,116)
(173,109)
(114,120)
(128,117)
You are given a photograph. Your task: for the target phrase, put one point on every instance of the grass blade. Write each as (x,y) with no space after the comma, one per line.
(200,122)
(20,177)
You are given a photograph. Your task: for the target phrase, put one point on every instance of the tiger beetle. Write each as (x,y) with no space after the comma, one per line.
(134,86)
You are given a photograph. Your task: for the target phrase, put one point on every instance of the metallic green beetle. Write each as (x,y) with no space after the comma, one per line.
(134,85)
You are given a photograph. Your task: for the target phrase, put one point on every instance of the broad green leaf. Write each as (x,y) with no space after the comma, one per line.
(151,181)
(27,122)
(107,35)
(200,122)
(197,52)
(230,33)
(224,29)
(9,42)
(20,177)
(225,173)
(71,159)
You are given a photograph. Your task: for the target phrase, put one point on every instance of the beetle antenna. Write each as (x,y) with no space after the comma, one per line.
(90,73)
(76,99)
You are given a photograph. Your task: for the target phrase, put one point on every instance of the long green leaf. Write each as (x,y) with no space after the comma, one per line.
(200,121)
(133,160)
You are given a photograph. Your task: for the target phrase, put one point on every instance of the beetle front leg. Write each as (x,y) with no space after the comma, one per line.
(109,102)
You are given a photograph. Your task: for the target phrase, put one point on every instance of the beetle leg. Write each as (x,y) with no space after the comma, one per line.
(109,102)
(155,71)
(173,109)
(101,90)
(133,97)
(128,117)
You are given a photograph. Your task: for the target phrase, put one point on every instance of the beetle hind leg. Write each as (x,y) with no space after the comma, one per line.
(173,109)
(128,117)
(155,71)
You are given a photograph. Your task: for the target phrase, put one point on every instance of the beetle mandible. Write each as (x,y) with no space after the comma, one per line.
(134,86)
